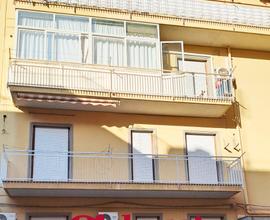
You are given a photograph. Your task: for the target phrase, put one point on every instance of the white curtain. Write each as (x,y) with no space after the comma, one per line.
(142,54)
(50,50)
(108,51)
(75,24)
(85,49)
(30,19)
(108,27)
(31,44)
(67,48)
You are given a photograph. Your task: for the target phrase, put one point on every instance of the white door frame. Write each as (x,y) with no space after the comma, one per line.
(154,150)
(33,126)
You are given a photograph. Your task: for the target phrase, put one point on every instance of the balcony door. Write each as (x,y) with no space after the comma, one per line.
(195,69)
(202,165)
(50,160)
(142,160)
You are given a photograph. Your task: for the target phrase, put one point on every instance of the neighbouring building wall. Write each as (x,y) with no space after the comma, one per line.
(252,75)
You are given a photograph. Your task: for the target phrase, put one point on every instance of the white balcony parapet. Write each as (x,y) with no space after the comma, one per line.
(100,167)
(184,85)
(190,9)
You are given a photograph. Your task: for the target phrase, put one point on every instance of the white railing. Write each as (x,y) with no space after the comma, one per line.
(199,86)
(190,9)
(90,167)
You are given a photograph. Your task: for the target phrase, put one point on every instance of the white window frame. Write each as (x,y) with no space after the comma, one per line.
(91,36)
(181,53)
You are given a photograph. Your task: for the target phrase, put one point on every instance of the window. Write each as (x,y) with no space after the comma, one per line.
(142,46)
(72,23)
(142,160)
(31,44)
(142,54)
(199,217)
(48,166)
(148,217)
(107,27)
(67,47)
(196,68)
(108,51)
(35,20)
(141,30)
(202,165)
(60,217)
(52,37)
(65,38)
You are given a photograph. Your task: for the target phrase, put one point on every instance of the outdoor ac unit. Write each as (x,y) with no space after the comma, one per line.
(223,71)
(7,216)
(109,215)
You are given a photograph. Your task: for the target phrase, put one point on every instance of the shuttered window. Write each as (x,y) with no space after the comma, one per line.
(50,159)
(143,167)
(202,165)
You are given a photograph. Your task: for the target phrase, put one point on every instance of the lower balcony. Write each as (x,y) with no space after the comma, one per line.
(89,174)
(124,90)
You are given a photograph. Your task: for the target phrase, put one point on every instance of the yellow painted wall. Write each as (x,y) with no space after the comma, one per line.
(251,71)
(98,131)
(101,132)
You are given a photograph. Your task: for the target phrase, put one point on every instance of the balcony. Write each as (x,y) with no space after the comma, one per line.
(236,14)
(125,90)
(80,174)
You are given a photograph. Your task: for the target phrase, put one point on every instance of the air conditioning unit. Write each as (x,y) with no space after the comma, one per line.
(7,216)
(109,215)
(223,71)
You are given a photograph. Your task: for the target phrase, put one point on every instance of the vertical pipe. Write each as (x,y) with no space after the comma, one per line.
(230,60)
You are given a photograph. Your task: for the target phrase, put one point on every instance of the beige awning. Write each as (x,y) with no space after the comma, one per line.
(66,99)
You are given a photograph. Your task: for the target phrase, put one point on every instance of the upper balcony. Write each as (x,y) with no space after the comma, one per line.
(79,87)
(84,63)
(39,173)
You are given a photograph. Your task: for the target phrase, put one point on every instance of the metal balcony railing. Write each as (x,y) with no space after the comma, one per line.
(90,167)
(187,85)
(190,9)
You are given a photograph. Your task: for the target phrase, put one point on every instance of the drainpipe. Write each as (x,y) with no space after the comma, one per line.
(245,193)
(230,60)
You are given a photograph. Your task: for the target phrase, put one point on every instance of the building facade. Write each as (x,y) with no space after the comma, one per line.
(134,109)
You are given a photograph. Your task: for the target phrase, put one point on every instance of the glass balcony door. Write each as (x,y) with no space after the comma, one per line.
(194,76)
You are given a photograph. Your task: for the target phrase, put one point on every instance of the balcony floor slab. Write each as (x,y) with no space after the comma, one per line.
(122,103)
(121,190)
